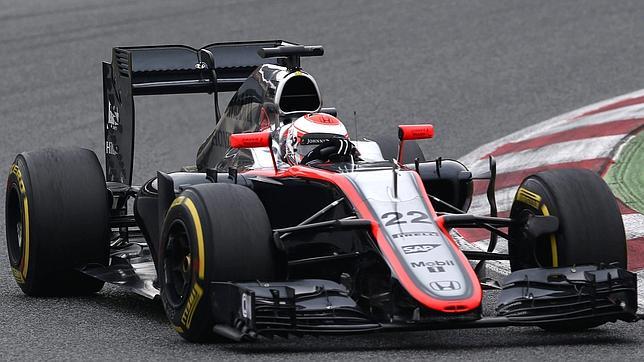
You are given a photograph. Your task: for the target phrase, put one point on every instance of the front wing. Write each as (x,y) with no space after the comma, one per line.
(541,297)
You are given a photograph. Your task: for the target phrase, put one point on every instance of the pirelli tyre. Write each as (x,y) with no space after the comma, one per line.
(590,231)
(212,232)
(389,149)
(56,211)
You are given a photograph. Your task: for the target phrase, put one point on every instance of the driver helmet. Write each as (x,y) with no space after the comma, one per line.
(308,132)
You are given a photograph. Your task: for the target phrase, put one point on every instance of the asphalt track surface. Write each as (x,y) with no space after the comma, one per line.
(477,69)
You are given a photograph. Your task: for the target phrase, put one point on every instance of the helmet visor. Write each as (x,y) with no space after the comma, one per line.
(310,141)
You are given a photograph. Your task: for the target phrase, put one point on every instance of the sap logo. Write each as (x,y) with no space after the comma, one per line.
(431,263)
(419,248)
(445,285)
(411,235)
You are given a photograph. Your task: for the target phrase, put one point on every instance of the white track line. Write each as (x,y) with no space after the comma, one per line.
(504,198)
(620,114)
(571,151)
(528,132)
(634,225)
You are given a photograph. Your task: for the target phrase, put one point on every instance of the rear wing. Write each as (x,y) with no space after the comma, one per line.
(168,69)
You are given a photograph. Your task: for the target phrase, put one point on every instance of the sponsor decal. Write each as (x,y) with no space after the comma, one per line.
(313,141)
(419,248)
(321,118)
(18,276)
(445,285)
(435,269)
(428,264)
(191,306)
(113,120)
(111,148)
(414,234)
(528,198)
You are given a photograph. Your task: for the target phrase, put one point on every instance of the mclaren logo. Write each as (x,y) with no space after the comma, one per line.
(445,285)
(419,248)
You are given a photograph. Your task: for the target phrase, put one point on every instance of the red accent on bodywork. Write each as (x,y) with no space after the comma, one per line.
(250,140)
(264,120)
(447,306)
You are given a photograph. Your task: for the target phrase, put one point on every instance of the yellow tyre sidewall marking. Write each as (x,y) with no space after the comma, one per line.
(191,306)
(528,197)
(197,291)
(199,231)
(17,274)
(21,274)
(534,200)
(553,239)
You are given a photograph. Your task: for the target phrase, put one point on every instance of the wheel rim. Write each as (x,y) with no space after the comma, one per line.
(177,264)
(14,226)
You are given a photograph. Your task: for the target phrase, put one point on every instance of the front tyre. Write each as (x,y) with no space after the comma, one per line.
(591,230)
(212,232)
(56,211)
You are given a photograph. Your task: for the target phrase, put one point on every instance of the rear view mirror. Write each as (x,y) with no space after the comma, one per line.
(408,132)
(250,140)
(415,132)
(253,140)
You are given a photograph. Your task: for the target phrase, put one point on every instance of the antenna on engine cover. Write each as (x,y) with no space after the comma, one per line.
(355,121)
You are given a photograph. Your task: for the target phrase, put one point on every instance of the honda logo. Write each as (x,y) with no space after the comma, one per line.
(445,285)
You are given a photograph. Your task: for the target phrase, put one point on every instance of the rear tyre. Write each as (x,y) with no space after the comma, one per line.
(212,232)
(56,221)
(389,149)
(590,225)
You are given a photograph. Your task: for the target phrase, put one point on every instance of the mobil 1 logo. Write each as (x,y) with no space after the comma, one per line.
(436,266)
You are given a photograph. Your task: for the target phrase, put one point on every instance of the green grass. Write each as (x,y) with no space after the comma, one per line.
(626,176)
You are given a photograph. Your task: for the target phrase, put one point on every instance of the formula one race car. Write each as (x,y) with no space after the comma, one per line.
(283,230)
